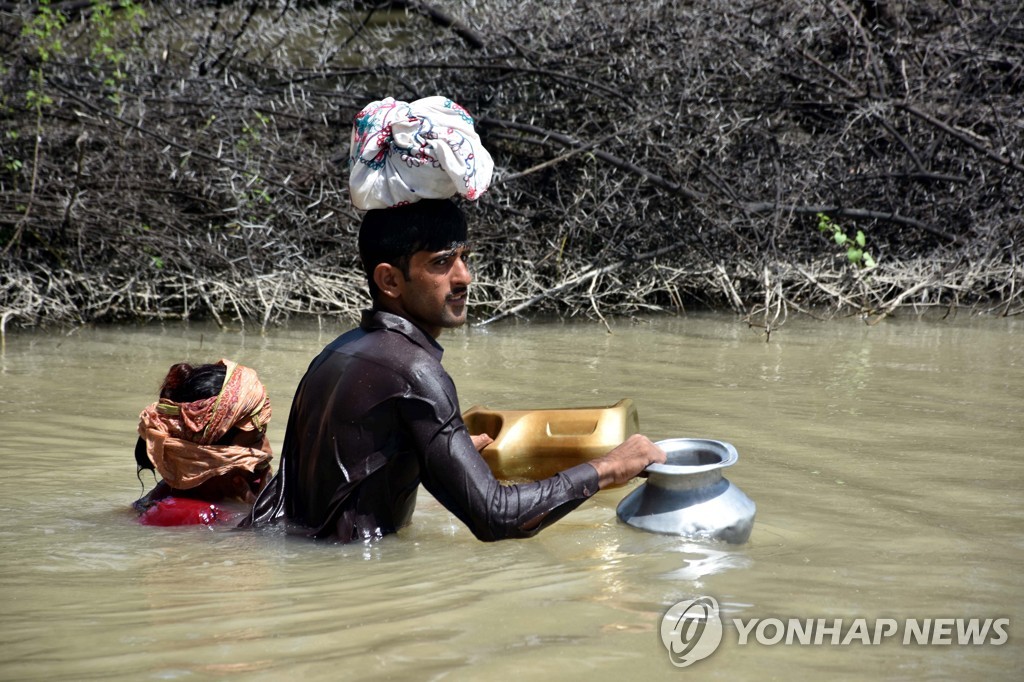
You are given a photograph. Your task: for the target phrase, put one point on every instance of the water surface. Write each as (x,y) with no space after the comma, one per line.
(885,462)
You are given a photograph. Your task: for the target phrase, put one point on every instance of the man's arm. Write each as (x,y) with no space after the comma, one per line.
(455,473)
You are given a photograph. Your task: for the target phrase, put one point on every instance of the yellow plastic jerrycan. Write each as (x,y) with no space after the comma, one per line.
(535,444)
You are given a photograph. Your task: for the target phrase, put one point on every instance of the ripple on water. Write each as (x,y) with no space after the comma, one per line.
(853,443)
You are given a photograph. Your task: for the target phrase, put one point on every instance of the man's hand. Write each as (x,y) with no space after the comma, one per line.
(481,441)
(627,460)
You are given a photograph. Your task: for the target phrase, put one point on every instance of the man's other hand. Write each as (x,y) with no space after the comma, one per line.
(481,441)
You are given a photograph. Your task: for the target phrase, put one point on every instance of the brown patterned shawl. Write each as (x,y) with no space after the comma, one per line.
(180,437)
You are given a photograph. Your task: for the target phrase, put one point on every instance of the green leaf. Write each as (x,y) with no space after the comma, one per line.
(840,238)
(824,223)
(869,261)
(854,254)
(861,239)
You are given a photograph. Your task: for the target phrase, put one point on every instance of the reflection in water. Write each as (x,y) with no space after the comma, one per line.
(884,463)
(705,560)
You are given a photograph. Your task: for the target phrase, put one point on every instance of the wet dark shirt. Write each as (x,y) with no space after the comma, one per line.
(376,415)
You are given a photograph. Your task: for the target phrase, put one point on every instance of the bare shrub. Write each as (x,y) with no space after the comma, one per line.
(651,155)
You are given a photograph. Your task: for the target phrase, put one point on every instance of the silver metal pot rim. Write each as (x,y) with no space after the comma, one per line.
(725,451)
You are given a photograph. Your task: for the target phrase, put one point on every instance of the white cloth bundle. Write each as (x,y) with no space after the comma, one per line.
(406,151)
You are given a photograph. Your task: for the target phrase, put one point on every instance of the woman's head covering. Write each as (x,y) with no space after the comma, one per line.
(180,437)
(406,151)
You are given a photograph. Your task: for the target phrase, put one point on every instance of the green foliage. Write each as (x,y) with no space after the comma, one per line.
(44,30)
(43,36)
(251,132)
(855,250)
(4,96)
(35,98)
(13,165)
(255,193)
(44,33)
(106,26)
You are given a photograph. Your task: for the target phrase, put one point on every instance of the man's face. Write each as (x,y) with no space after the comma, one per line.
(436,292)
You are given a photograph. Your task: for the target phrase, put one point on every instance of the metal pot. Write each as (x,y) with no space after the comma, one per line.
(689,496)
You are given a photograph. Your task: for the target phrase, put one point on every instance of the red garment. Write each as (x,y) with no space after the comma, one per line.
(181,511)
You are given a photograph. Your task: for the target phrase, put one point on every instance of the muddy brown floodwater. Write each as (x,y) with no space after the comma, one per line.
(886,464)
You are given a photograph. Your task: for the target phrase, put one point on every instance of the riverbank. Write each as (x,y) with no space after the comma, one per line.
(189,162)
(39,298)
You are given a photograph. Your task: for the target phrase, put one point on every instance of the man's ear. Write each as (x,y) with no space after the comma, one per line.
(389,279)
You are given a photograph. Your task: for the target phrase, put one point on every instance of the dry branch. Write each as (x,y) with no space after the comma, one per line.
(204,173)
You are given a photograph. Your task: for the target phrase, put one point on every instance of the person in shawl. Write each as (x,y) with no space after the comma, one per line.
(376,414)
(206,437)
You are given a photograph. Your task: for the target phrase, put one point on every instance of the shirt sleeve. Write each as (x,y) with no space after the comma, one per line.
(458,477)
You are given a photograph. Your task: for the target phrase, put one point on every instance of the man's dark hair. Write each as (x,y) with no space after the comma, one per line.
(393,235)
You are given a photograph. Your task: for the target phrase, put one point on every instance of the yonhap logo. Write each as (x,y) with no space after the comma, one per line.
(691,630)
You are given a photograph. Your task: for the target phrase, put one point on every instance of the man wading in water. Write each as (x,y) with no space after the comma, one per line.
(376,414)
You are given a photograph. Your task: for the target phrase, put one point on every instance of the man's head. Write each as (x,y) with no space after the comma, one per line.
(414,257)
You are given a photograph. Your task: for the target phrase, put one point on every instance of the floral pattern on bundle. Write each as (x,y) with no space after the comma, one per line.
(428,149)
